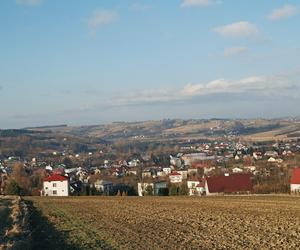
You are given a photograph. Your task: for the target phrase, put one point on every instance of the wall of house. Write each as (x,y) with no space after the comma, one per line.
(295,187)
(142,187)
(56,188)
(175,178)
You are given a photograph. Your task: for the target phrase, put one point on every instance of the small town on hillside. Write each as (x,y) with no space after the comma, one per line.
(196,169)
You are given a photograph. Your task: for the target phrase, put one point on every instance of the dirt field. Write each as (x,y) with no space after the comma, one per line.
(5,220)
(260,222)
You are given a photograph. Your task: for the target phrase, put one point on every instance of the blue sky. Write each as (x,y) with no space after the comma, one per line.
(97,61)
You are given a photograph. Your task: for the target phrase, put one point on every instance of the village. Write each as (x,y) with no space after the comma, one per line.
(197,169)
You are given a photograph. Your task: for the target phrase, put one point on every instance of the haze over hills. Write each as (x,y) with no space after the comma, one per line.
(251,129)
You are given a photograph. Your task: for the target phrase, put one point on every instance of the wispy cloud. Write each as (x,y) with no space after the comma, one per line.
(268,86)
(284,12)
(101,17)
(233,51)
(136,6)
(29,2)
(198,3)
(241,29)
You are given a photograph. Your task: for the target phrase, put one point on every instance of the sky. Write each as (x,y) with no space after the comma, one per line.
(87,62)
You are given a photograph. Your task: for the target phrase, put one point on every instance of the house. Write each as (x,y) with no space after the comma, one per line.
(155,187)
(56,185)
(196,186)
(167,170)
(228,183)
(175,177)
(160,173)
(257,155)
(103,186)
(295,181)
(237,170)
(271,154)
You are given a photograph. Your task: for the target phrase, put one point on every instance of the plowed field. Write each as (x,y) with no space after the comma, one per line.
(243,222)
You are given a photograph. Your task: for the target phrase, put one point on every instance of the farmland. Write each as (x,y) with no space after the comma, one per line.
(241,222)
(5,220)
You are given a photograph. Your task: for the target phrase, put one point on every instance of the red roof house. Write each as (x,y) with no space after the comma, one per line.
(295,176)
(56,177)
(295,181)
(232,183)
(56,185)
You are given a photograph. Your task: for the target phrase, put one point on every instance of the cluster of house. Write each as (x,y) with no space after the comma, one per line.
(237,183)
(192,169)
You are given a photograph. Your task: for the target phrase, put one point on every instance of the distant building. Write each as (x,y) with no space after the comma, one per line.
(155,186)
(103,186)
(295,181)
(175,177)
(196,186)
(56,185)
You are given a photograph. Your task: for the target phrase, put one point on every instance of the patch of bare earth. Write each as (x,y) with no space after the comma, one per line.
(16,235)
(249,222)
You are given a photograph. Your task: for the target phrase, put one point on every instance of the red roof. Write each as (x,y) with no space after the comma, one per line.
(229,184)
(56,177)
(174,174)
(295,176)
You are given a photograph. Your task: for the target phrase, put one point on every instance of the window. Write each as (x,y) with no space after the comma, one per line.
(54,192)
(54,184)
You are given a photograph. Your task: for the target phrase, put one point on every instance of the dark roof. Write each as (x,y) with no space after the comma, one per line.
(229,184)
(295,176)
(56,177)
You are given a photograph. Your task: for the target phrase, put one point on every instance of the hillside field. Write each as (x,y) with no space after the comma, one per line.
(249,222)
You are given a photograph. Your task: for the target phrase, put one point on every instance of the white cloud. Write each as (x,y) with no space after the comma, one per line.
(29,2)
(196,3)
(252,83)
(102,17)
(284,12)
(241,29)
(268,86)
(233,51)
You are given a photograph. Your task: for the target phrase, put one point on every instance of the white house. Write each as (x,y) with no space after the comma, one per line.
(167,170)
(56,185)
(196,186)
(103,186)
(295,181)
(155,186)
(175,177)
(237,170)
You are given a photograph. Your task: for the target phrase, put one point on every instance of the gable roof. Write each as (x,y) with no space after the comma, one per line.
(231,183)
(56,177)
(295,176)
(174,174)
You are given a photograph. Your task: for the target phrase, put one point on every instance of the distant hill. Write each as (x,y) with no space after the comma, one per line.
(252,129)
